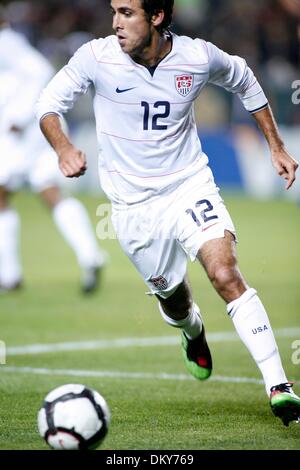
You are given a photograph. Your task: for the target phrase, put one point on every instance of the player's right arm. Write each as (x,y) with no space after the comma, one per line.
(72,161)
(57,98)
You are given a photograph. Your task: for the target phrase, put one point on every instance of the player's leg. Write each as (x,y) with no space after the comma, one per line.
(11,178)
(70,216)
(151,245)
(205,231)
(73,222)
(10,266)
(218,256)
(181,312)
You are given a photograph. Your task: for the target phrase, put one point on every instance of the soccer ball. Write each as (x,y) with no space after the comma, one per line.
(73,417)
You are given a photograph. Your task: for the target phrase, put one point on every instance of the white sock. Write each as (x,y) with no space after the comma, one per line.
(10,266)
(73,222)
(191,325)
(253,327)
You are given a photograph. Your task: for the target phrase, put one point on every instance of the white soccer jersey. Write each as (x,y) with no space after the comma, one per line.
(148,140)
(30,69)
(25,156)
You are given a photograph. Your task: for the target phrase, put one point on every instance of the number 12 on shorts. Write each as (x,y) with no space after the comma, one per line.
(206,206)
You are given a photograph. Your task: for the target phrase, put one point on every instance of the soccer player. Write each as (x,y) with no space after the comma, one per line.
(165,204)
(26,156)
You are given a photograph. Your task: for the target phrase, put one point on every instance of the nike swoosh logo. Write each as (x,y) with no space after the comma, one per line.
(118,90)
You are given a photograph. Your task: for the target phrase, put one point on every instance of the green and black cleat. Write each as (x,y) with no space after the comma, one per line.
(285,403)
(197,356)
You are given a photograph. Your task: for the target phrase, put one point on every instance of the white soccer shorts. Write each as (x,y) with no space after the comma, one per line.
(26,157)
(159,236)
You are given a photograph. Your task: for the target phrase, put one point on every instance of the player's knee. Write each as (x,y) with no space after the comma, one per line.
(51,196)
(224,277)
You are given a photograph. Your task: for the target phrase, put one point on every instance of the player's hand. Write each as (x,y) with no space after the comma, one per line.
(72,162)
(285,165)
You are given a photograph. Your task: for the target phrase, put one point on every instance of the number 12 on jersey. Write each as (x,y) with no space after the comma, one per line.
(163,113)
(208,207)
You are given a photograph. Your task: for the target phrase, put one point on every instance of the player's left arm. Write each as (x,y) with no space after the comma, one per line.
(233,74)
(285,165)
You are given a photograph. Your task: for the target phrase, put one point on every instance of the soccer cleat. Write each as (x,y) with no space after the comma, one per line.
(197,355)
(4,289)
(285,403)
(90,279)
(90,275)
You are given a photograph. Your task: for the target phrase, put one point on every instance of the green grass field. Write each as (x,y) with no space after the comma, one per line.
(150,409)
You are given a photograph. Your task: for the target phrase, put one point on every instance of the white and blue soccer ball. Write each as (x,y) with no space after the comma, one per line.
(73,417)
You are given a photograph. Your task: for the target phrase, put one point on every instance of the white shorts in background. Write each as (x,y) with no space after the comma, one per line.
(27,158)
(159,236)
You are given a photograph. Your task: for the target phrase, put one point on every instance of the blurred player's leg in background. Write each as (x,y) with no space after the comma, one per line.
(69,214)
(32,160)
(10,266)
(73,222)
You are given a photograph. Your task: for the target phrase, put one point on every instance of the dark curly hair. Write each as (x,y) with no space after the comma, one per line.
(152,6)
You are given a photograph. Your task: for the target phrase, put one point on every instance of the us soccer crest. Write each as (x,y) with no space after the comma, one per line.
(184,84)
(159,282)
